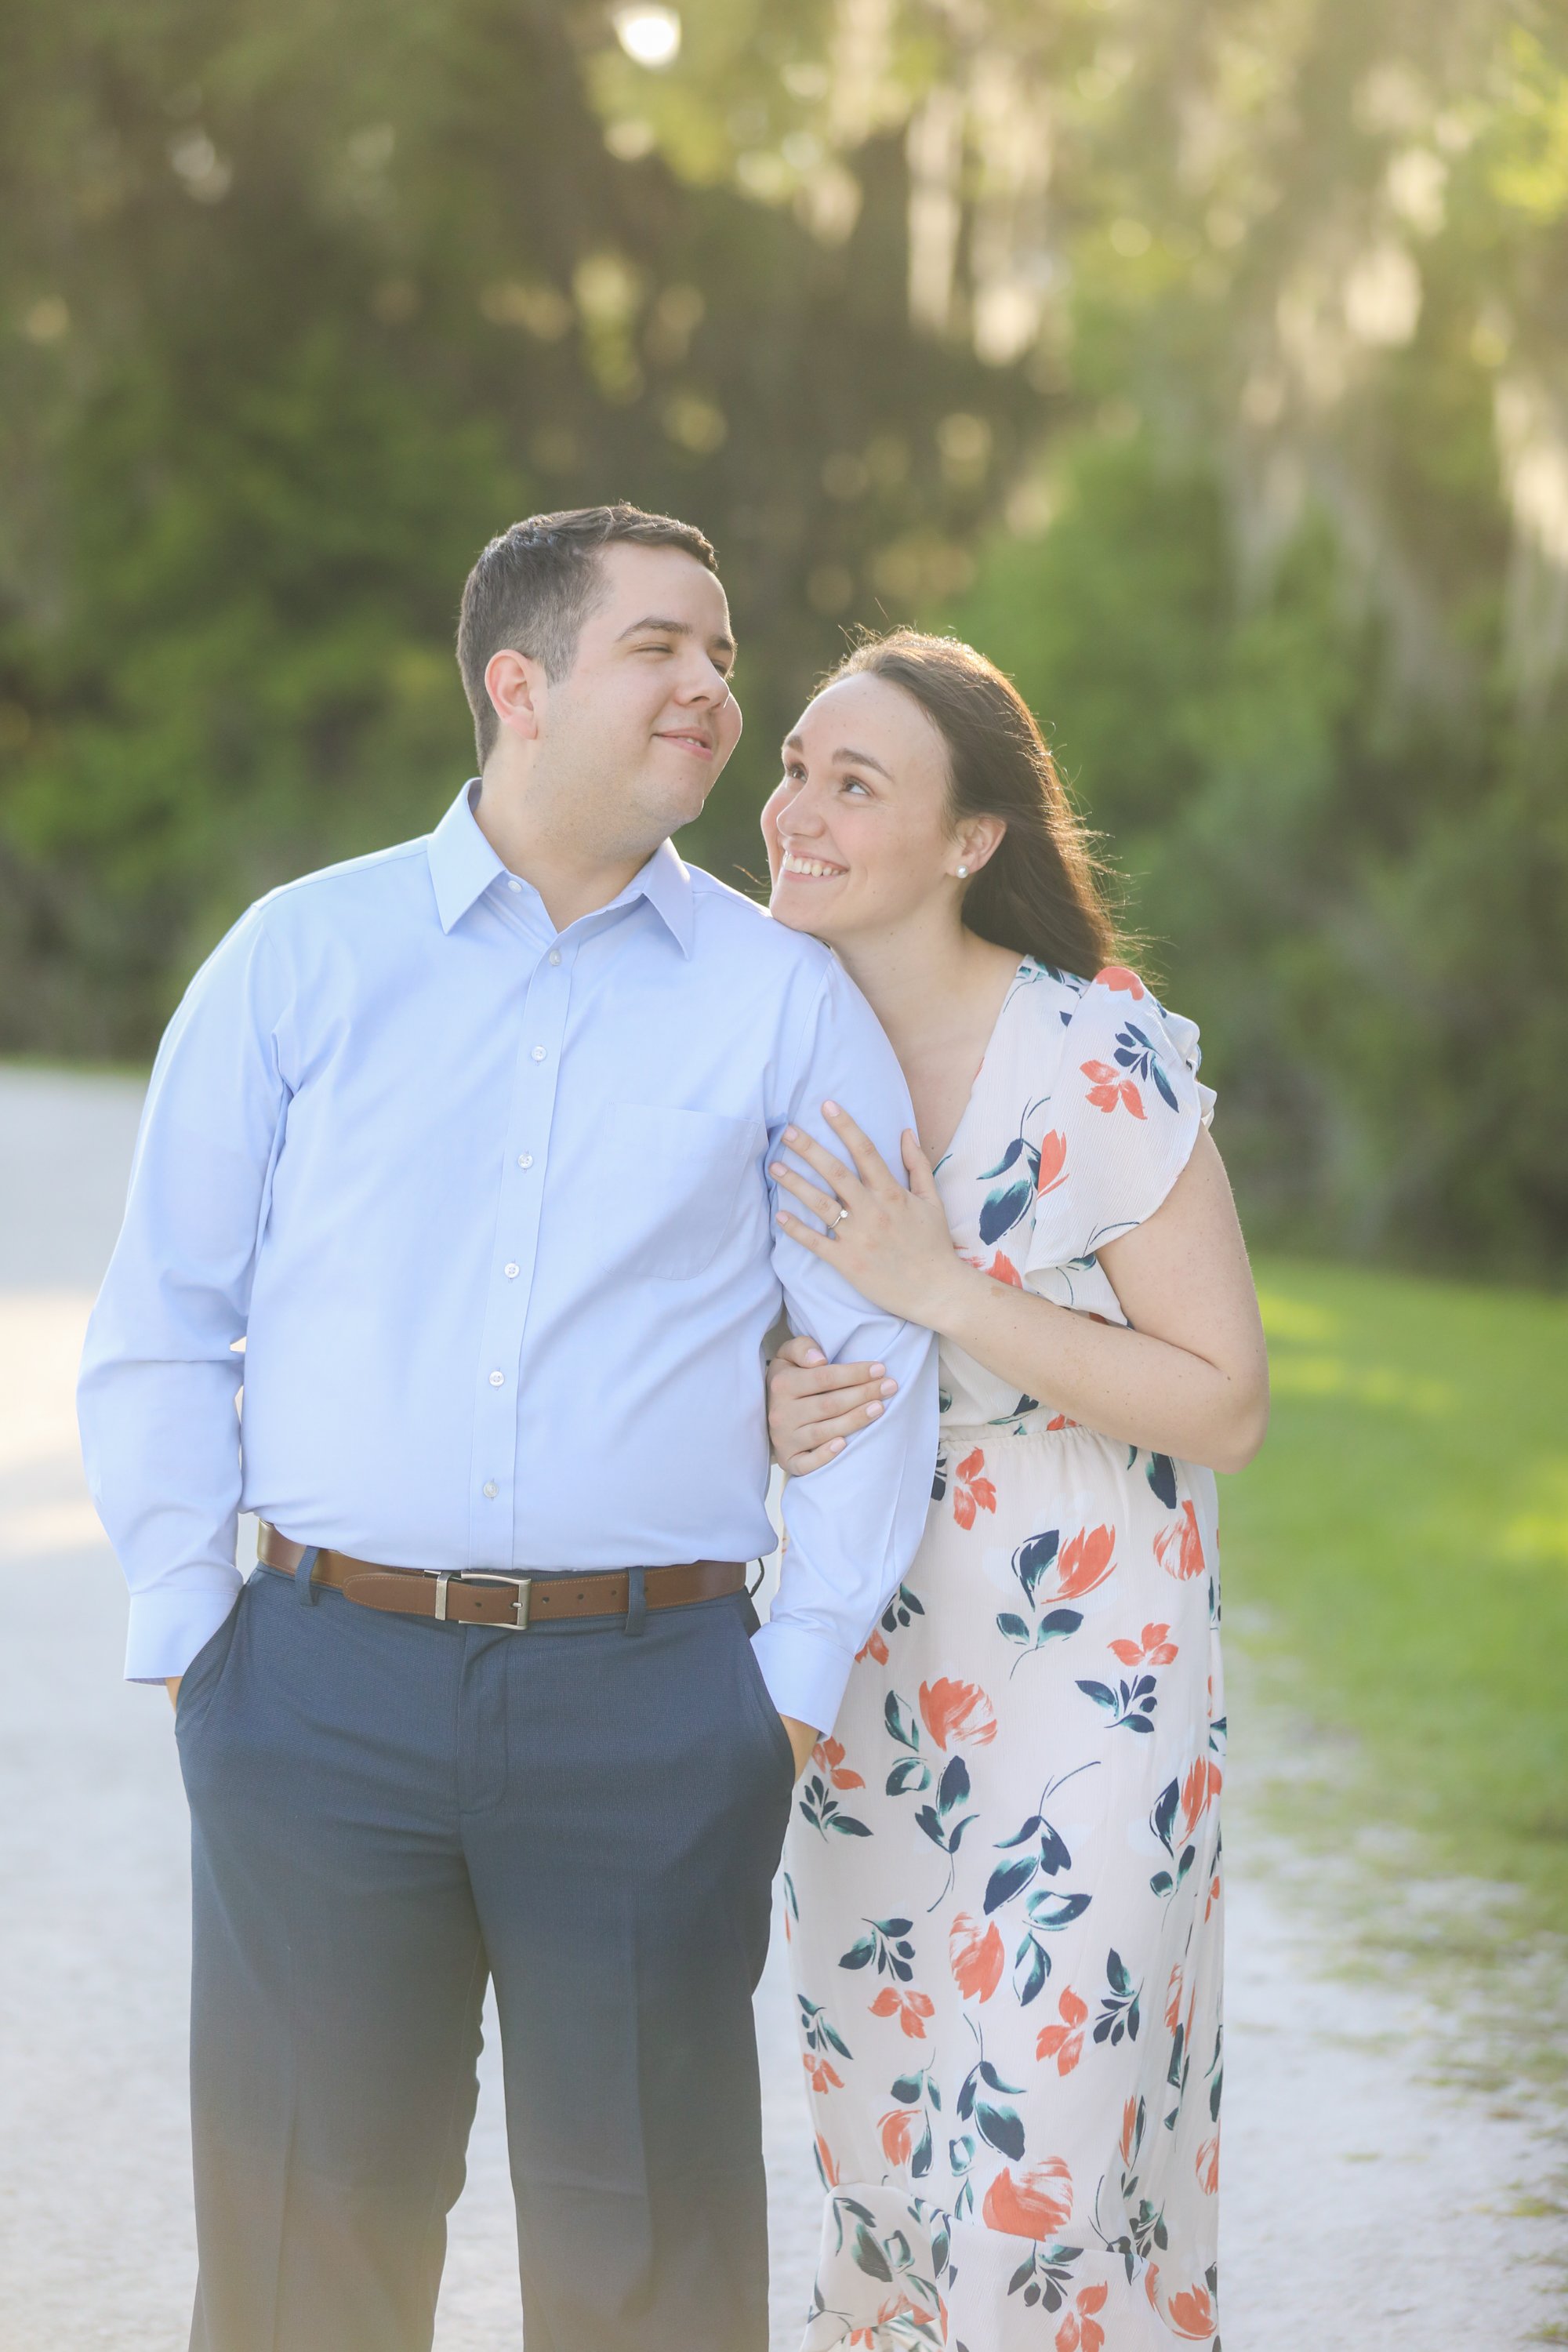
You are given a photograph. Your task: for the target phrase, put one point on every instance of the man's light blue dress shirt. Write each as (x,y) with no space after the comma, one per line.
(489,1205)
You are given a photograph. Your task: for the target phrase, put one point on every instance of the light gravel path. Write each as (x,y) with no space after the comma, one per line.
(1366,2208)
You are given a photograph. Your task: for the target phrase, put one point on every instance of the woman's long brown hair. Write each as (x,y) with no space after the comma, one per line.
(1043,893)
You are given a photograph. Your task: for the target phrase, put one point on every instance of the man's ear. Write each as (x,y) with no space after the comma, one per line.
(516,683)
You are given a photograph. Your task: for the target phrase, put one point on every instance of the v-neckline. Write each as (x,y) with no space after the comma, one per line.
(963,1116)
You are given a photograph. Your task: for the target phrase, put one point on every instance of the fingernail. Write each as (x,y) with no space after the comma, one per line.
(773,1167)
(889,1387)
(876,1371)
(872,1411)
(832,1109)
(836,1446)
(816,1357)
(792,1134)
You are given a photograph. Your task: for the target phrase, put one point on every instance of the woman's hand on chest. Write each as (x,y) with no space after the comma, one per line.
(893,1244)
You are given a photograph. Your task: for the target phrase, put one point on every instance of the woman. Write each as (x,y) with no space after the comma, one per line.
(1003,1864)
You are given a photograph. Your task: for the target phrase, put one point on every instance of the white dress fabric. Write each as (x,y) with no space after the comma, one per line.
(1002,1870)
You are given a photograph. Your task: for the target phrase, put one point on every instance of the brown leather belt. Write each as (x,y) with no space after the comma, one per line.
(487,1596)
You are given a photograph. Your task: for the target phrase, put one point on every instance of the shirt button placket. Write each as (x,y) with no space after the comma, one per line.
(542,1027)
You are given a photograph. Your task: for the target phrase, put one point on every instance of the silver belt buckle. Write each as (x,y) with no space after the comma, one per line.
(524,1585)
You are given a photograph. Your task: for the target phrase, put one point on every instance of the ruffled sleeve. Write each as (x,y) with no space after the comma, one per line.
(1122,1120)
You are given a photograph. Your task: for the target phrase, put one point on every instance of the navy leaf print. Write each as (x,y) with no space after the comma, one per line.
(1162,1476)
(1031,1560)
(1009,1203)
(1009,1878)
(1002,2126)
(869,2255)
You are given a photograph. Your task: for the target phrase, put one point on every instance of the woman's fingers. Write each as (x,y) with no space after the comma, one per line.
(838,1381)
(832,1171)
(922,1183)
(870,1164)
(821,1205)
(797,1464)
(800,1348)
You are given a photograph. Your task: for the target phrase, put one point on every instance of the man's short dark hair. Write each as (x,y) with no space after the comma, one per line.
(535,584)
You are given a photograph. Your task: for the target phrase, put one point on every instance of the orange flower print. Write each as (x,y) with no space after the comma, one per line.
(911,2008)
(898,2133)
(1085,1562)
(1061,1422)
(875,1648)
(1180,1549)
(820,2074)
(1079,2330)
(1034,2205)
(972,1490)
(1208,2165)
(828,1758)
(1129,2140)
(1174,2000)
(1200,1783)
(1151,1650)
(1064,2042)
(1213,1898)
(1053,1162)
(825,2164)
(1109,1087)
(1192,2313)
(1002,1269)
(895,2307)
(976,1960)
(1116,976)
(957,1711)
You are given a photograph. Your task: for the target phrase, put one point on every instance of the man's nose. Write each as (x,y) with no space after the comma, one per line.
(706,683)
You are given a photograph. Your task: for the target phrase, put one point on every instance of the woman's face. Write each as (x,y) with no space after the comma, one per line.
(858,833)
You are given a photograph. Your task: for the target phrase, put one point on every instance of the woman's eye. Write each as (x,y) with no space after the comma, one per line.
(853,784)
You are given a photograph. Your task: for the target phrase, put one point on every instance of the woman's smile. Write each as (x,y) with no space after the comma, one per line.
(812,869)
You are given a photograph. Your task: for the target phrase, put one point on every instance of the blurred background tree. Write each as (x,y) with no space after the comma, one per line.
(1207,362)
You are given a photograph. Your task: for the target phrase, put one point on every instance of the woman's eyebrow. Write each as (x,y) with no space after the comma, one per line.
(860,760)
(844,756)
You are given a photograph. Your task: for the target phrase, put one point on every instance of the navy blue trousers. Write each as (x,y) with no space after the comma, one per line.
(389,1812)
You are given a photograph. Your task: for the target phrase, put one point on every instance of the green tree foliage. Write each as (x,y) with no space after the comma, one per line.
(302,304)
(1207,362)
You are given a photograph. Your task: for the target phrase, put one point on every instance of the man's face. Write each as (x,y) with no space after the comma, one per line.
(634,735)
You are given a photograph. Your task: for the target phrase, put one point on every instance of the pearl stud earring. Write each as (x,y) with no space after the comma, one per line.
(963,873)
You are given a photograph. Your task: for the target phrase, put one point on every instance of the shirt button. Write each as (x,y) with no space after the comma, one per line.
(538,1053)
(498,1379)
(512,1271)
(490,1490)
(554,955)
(512,885)
(525,1159)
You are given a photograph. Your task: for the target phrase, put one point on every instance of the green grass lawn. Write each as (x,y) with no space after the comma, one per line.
(1400,1549)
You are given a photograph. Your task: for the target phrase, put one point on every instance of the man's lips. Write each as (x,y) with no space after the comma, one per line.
(685,741)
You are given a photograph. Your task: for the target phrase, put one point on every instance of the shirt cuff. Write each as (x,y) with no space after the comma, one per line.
(805,1671)
(168,1627)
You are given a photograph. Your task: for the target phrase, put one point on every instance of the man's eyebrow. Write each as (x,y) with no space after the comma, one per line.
(673,629)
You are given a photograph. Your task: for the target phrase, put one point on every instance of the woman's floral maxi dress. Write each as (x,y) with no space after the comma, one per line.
(1003,1871)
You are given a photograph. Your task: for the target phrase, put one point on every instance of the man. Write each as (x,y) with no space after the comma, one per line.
(465,1144)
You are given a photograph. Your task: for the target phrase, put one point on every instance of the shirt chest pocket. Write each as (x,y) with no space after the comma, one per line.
(680,1174)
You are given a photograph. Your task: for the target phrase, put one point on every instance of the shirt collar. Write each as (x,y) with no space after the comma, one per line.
(463,865)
